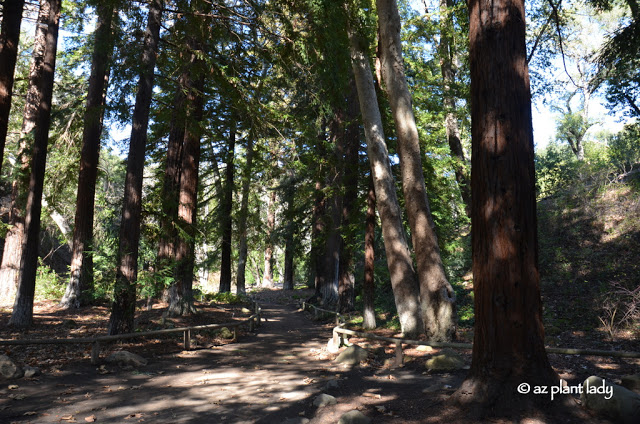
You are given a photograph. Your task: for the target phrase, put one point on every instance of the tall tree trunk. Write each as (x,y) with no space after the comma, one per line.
(226,208)
(368,287)
(123,308)
(22,315)
(403,277)
(267,275)
(171,187)
(80,284)
(508,346)
(346,288)
(447,67)
(289,233)
(437,298)
(331,262)
(181,292)
(242,219)
(318,236)
(9,39)
(12,253)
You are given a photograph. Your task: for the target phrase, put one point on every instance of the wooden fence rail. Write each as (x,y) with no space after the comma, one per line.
(253,321)
(339,333)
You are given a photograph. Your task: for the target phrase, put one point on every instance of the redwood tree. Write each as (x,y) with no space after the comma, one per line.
(12,252)
(22,315)
(123,308)
(81,278)
(437,298)
(242,218)
(508,346)
(403,277)
(226,206)
(9,38)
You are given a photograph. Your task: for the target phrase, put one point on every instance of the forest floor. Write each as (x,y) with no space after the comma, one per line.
(270,376)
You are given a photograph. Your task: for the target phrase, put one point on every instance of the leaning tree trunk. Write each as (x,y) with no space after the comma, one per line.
(124,303)
(81,279)
(447,67)
(12,253)
(242,220)
(226,207)
(368,286)
(403,277)
(9,39)
(22,315)
(437,298)
(508,346)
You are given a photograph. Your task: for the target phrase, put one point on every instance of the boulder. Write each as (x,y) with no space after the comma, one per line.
(126,359)
(354,417)
(352,355)
(333,347)
(31,372)
(331,384)
(9,369)
(631,382)
(225,333)
(448,360)
(324,400)
(296,421)
(611,400)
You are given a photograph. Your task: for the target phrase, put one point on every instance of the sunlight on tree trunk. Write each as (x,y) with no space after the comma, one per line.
(437,298)
(403,277)
(22,315)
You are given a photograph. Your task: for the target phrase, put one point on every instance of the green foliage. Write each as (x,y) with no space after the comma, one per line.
(228,298)
(49,285)
(624,147)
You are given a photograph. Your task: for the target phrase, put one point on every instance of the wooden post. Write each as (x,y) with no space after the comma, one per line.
(95,352)
(235,333)
(315,312)
(187,339)
(399,359)
(337,340)
(251,325)
(337,319)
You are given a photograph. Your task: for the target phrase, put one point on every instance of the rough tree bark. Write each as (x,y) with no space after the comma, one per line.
(22,315)
(123,307)
(225,209)
(12,253)
(346,279)
(368,287)
(9,38)
(318,236)
(328,289)
(181,293)
(267,275)
(508,346)
(80,284)
(171,185)
(403,277)
(437,298)
(289,233)
(447,67)
(242,219)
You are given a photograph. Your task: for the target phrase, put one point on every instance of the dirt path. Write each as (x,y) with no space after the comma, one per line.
(271,376)
(267,377)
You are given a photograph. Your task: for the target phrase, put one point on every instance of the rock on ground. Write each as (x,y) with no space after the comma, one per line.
(611,400)
(631,382)
(225,333)
(352,355)
(124,358)
(324,400)
(354,417)
(9,369)
(448,360)
(31,371)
